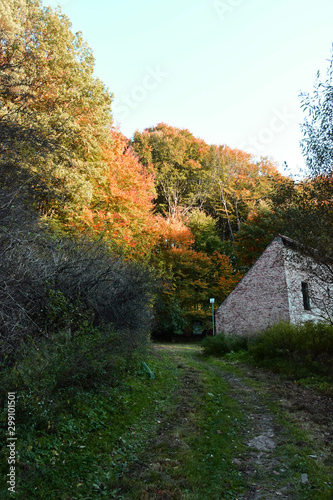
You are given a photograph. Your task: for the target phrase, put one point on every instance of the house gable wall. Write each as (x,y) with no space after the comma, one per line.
(260,298)
(298,269)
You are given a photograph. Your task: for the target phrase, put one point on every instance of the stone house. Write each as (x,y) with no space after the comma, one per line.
(288,282)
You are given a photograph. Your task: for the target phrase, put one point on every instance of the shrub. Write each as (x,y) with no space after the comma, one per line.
(50,376)
(90,359)
(49,284)
(310,344)
(238,342)
(221,344)
(216,345)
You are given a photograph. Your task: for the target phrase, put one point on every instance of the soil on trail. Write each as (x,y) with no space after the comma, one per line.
(315,407)
(310,411)
(262,464)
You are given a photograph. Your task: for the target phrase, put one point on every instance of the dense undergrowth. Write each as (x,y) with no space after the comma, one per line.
(82,416)
(302,352)
(93,422)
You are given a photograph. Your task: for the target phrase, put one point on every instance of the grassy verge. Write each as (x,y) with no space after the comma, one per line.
(301,456)
(303,353)
(93,438)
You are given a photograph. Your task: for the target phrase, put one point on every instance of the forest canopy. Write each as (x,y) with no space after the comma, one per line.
(194,215)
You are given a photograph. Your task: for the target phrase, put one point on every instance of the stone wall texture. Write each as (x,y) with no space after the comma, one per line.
(300,268)
(271,291)
(260,298)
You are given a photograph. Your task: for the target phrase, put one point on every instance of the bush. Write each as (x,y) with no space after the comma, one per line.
(49,284)
(310,344)
(221,344)
(216,345)
(92,358)
(238,342)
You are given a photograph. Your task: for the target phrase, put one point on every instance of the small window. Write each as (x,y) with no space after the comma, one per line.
(306,296)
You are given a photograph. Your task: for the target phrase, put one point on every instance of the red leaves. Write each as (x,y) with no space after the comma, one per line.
(121,204)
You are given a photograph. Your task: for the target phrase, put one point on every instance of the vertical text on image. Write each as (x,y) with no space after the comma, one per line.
(11,431)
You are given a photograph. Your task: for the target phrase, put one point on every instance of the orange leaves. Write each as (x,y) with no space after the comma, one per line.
(121,204)
(193,276)
(174,234)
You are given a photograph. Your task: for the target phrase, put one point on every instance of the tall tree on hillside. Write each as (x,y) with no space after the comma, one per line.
(237,186)
(121,206)
(54,114)
(178,160)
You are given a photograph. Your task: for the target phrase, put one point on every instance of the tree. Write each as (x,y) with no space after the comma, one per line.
(121,204)
(237,185)
(255,234)
(58,146)
(204,230)
(300,210)
(49,285)
(317,142)
(54,114)
(178,162)
(61,158)
(189,279)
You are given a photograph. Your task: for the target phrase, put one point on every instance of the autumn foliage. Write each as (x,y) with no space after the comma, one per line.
(190,279)
(196,214)
(121,205)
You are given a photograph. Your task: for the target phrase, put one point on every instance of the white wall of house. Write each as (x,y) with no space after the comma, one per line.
(298,269)
(271,291)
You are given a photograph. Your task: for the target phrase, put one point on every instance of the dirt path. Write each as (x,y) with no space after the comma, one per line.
(162,457)
(262,460)
(264,435)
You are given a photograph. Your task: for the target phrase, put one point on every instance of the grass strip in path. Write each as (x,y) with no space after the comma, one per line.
(191,455)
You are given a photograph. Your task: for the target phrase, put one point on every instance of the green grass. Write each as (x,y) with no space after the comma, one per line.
(303,353)
(220,419)
(172,436)
(92,438)
(298,454)
(194,461)
(301,455)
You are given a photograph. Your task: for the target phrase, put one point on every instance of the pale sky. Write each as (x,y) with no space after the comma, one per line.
(230,71)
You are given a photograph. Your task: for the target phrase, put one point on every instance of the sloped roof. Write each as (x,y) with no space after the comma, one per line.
(278,237)
(312,252)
